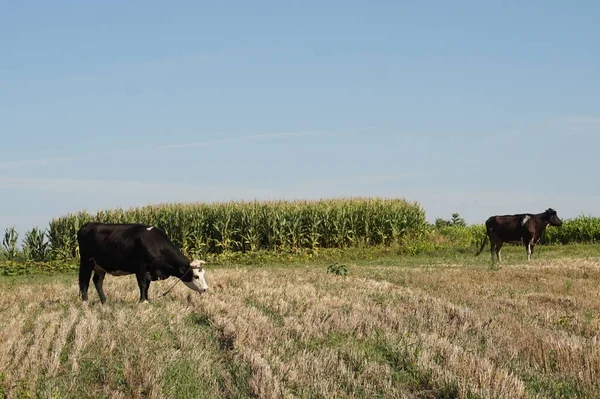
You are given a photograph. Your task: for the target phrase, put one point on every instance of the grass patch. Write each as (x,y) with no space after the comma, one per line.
(267,310)
(182,381)
(555,386)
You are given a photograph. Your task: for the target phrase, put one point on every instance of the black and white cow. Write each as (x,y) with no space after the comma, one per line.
(524,227)
(122,249)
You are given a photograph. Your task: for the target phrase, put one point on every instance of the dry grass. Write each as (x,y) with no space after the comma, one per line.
(452,330)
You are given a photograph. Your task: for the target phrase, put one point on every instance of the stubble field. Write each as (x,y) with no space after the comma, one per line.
(394,327)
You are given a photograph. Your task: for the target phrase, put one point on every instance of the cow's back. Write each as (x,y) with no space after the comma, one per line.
(110,245)
(506,227)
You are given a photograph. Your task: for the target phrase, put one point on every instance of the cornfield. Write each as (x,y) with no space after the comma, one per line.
(583,229)
(199,228)
(259,225)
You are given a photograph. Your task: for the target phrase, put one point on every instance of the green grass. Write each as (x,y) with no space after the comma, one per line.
(381,255)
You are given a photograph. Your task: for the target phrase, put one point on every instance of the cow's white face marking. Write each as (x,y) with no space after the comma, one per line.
(525,219)
(149,228)
(198,282)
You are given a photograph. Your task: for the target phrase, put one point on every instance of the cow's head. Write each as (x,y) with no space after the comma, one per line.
(194,279)
(552,217)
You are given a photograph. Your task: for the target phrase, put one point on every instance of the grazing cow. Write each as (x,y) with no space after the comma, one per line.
(524,227)
(122,249)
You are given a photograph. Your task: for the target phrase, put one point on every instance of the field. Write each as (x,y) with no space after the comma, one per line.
(445,325)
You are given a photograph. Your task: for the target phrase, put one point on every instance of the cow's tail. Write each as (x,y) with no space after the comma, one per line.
(485,238)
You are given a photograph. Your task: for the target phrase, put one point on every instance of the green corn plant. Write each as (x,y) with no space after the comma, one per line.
(225,240)
(35,245)
(198,223)
(251,238)
(10,240)
(293,229)
(276,225)
(353,226)
(312,235)
(249,230)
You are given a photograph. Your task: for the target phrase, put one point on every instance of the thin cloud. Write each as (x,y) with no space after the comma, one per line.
(343,186)
(239,139)
(127,69)
(258,137)
(140,192)
(582,120)
(361,180)
(12,165)
(575,126)
(36,162)
(123,188)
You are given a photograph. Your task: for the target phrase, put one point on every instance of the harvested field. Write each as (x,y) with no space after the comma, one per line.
(390,329)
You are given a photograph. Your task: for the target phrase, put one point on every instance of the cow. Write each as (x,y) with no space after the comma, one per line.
(523,227)
(123,249)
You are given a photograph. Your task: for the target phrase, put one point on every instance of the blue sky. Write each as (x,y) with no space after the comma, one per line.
(466,106)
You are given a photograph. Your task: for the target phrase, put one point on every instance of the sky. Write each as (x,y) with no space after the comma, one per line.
(475,107)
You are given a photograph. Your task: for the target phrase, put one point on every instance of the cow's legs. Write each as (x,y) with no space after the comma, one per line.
(498,248)
(98,280)
(495,246)
(144,284)
(85,273)
(147,288)
(529,248)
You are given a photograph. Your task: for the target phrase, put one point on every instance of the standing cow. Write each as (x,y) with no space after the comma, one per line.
(524,227)
(122,249)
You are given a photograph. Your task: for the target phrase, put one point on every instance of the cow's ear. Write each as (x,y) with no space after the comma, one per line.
(197,264)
